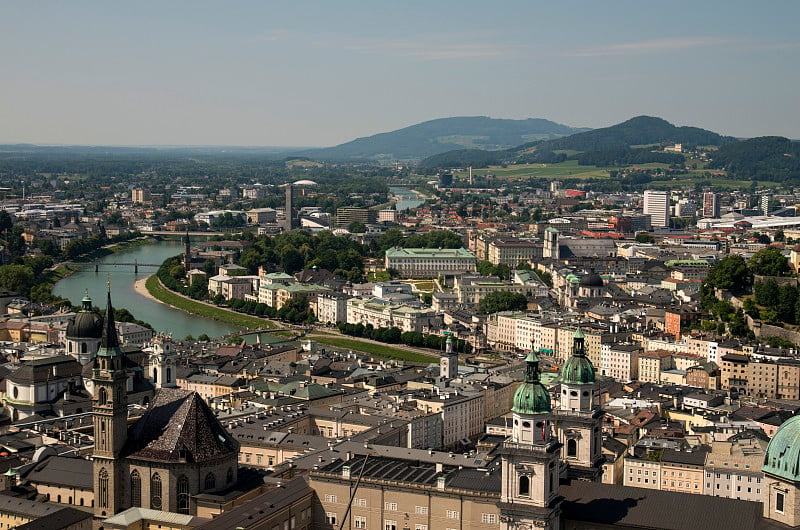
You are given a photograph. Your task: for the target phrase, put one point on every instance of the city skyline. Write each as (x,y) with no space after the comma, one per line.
(317,74)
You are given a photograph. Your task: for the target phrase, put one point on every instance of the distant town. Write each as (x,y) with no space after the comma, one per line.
(549,336)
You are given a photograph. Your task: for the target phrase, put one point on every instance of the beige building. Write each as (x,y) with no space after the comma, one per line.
(620,361)
(652,363)
(733,468)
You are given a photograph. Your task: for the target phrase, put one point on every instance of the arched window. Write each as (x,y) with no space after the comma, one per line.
(155,376)
(524,486)
(211,481)
(183,495)
(58,499)
(572,447)
(83,347)
(102,396)
(70,346)
(169,375)
(103,487)
(136,489)
(155,492)
(229,476)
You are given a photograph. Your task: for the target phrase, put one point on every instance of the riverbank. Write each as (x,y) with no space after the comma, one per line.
(158,292)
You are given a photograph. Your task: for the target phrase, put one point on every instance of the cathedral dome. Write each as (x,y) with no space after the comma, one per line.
(532,397)
(85,325)
(782,458)
(577,371)
(592,280)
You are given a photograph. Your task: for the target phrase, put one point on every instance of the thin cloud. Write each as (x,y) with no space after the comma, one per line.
(272,35)
(426,48)
(649,46)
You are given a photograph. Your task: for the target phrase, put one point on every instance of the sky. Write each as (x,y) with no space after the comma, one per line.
(303,73)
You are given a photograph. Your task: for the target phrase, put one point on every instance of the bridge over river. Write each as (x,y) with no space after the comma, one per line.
(100,266)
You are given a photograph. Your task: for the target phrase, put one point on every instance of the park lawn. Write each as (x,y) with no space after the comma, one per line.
(161,293)
(376,349)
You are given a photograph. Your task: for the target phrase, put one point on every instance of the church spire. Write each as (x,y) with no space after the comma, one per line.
(109,342)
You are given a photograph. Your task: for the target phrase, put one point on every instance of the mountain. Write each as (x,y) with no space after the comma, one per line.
(771,158)
(606,146)
(641,130)
(442,135)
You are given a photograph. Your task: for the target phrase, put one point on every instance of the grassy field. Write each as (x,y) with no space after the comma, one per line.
(568,169)
(380,350)
(715,182)
(163,294)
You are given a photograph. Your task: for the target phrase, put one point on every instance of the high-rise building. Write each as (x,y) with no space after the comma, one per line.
(711,204)
(656,205)
(765,204)
(291,215)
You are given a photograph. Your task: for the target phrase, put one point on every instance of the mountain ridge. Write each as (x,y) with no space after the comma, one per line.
(445,134)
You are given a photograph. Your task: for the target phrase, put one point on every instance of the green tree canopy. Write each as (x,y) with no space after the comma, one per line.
(769,262)
(502,301)
(730,273)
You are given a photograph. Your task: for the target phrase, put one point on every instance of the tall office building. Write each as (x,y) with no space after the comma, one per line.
(765,204)
(711,204)
(656,205)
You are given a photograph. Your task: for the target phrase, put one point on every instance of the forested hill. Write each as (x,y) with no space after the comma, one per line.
(445,134)
(609,146)
(765,158)
(641,130)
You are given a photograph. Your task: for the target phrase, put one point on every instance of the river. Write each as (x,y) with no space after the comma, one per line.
(407,199)
(122,277)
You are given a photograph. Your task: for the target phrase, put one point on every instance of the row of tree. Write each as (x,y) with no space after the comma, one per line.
(395,335)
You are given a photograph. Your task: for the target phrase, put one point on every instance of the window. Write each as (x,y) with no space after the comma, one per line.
(572,447)
(422,510)
(330,498)
(359,521)
(183,495)
(136,489)
(103,487)
(524,486)
(779,500)
(102,396)
(389,525)
(155,492)
(211,481)
(420,527)
(359,502)
(453,514)
(330,518)
(489,518)
(390,506)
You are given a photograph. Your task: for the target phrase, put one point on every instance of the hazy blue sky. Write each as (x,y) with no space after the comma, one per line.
(321,73)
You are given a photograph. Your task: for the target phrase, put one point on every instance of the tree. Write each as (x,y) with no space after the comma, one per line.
(779,236)
(17,278)
(5,221)
(644,237)
(769,262)
(730,273)
(356,227)
(502,301)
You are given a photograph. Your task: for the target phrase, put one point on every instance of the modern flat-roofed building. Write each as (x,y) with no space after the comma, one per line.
(656,205)
(430,262)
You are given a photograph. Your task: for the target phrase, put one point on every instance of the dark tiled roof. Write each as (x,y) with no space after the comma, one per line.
(177,422)
(644,508)
(63,471)
(39,370)
(64,518)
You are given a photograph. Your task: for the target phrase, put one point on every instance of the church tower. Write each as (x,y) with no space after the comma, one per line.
(161,362)
(84,333)
(448,363)
(110,415)
(530,459)
(578,420)
(187,252)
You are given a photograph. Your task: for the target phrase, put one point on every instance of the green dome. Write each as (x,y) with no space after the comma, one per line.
(782,458)
(532,397)
(577,371)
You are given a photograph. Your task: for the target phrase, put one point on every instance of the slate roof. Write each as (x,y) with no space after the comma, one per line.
(178,421)
(629,507)
(63,471)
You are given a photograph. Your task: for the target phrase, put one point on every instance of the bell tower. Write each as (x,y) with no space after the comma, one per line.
(578,420)
(110,415)
(530,459)
(448,363)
